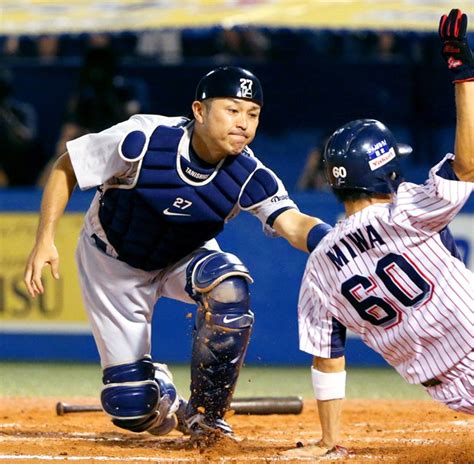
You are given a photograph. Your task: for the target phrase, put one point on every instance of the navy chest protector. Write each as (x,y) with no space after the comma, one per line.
(164,217)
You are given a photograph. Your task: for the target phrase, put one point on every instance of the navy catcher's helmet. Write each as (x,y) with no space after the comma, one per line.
(230,81)
(363,155)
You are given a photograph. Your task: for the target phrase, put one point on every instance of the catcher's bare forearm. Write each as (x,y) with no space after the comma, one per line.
(56,195)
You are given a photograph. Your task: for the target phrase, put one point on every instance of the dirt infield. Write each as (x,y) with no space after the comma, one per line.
(373,430)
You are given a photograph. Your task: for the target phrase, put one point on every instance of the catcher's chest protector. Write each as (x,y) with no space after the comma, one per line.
(169,213)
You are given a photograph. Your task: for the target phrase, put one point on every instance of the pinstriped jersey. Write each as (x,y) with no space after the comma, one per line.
(391,274)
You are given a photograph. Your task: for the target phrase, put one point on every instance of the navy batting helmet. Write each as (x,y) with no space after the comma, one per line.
(363,155)
(230,81)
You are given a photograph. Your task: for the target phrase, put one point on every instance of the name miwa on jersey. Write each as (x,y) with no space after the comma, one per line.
(361,239)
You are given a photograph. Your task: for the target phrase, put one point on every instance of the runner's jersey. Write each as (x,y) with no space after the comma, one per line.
(391,274)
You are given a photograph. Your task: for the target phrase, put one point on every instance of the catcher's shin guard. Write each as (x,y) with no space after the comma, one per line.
(222,332)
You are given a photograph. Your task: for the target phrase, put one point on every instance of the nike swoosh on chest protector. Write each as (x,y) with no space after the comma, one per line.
(167,212)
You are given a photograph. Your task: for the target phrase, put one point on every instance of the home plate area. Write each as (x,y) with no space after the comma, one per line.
(372,431)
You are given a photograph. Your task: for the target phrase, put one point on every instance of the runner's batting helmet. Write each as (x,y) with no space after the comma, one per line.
(230,81)
(363,155)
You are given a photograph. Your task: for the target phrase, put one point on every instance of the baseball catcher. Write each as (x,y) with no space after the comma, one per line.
(166,186)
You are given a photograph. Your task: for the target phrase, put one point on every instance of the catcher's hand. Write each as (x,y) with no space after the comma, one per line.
(42,255)
(456,51)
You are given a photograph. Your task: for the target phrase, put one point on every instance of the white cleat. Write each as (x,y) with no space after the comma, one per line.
(168,403)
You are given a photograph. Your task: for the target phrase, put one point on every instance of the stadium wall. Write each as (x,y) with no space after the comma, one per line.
(54,327)
(306,97)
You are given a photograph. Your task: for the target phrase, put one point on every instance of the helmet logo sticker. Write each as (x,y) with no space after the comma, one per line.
(339,171)
(380,154)
(246,87)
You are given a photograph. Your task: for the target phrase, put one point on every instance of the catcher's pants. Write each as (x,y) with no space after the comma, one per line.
(457,386)
(119,299)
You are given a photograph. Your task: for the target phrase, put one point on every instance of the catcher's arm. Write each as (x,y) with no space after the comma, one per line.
(56,195)
(295,227)
(458,56)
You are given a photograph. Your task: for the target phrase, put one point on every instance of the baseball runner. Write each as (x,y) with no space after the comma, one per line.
(166,186)
(390,271)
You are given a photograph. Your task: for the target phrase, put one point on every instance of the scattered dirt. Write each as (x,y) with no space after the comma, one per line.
(373,431)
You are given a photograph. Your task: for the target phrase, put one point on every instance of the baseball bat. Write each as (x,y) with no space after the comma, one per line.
(252,405)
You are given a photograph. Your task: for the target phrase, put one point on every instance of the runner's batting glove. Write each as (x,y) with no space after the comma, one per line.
(456,51)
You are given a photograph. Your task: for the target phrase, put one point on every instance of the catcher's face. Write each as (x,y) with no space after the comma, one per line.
(226,125)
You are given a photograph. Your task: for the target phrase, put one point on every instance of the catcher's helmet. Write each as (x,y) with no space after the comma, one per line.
(230,81)
(363,155)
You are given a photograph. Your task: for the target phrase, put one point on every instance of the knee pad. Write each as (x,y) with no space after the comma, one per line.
(219,283)
(131,395)
(208,268)
(227,305)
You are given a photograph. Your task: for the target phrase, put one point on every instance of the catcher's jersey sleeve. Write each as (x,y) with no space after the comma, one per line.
(95,157)
(270,197)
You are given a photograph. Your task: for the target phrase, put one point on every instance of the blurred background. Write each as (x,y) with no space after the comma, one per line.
(69,69)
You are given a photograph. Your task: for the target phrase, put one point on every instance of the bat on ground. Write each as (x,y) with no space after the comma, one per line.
(252,405)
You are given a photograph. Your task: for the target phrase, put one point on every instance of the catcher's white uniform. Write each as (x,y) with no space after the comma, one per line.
(120,298)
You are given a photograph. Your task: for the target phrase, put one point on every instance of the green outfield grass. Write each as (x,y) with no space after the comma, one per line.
(66,380)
